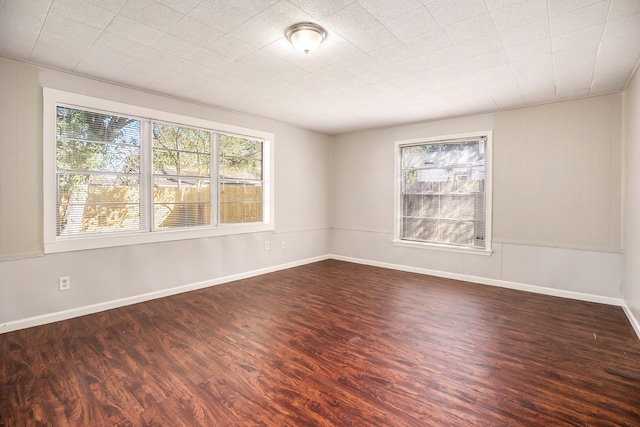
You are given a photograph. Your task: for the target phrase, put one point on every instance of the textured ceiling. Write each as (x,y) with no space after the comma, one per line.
(384,62)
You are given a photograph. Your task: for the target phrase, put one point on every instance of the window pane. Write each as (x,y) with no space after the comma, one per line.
(182,176)
(457,207)
(83,125)
(181,202)
(442,193)
(98,164)
(240,203)
(97,157)
(180,163)
(98,204)
(182,151)
(174,137)
(241,191)
(240,158)
(177,215)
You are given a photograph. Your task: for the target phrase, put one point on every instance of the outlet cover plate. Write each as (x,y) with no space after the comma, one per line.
(64,283)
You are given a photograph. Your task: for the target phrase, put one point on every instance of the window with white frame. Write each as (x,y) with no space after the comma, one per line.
(443,194)
(119,174)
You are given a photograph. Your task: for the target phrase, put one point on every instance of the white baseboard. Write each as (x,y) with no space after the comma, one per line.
(95,308)
(632,319)
(486,281)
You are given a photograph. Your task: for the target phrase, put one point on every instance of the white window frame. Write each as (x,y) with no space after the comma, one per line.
(488,194)
(52,243)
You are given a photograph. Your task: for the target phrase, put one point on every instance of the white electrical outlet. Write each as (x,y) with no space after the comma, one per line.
(266,245)
(284,245)
(64,283)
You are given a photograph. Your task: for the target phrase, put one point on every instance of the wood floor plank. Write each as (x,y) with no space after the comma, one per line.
(329,344)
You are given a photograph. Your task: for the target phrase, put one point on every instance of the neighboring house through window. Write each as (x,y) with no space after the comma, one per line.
(443,192)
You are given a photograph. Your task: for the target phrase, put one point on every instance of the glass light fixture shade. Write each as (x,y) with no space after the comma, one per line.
(306,37)
(306,40)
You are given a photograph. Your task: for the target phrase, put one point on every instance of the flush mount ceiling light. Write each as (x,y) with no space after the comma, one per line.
(306,36)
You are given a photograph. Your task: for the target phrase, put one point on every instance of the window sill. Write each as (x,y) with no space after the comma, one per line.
(98,241)
(443,248)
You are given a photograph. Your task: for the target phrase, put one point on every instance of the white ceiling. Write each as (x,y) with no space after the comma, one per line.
(384,62)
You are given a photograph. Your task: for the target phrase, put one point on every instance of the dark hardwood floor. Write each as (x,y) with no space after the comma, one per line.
(329,344)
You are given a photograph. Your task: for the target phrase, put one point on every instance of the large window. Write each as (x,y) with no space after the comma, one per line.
(118,174)
(443,192)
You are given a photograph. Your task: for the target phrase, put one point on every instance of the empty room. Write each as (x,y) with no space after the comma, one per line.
(319,213)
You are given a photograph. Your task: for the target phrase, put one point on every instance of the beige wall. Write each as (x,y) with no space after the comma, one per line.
(631,237)
(20,161)
(557,175)
(556,192)
(104,278)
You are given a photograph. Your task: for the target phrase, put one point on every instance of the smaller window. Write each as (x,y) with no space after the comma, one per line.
(443,192)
